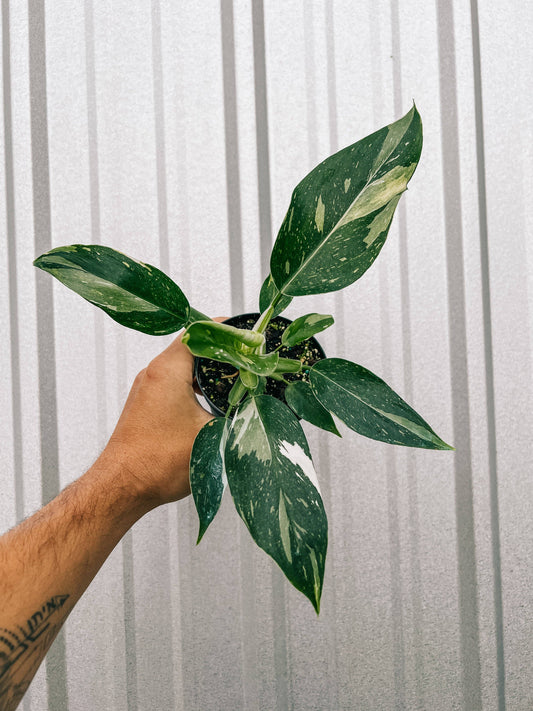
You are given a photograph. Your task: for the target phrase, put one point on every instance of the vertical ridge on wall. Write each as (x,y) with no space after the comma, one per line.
(402,215)
(128,573)
(261,122)
(111,685)
(92,122)
(250,698)
(396,582)
(12,266)
(43,242)
(132,698)
(414,523)
(466,551)
(157,632)
(56,667)
(94,197)
(319,46)
(489,363)
(279,604)
(329,28)
(395,570)
(159,129)
(233,182)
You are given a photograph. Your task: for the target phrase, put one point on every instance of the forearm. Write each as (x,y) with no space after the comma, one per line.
(47,562)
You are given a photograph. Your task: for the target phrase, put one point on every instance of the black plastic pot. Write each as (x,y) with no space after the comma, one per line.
(215,379)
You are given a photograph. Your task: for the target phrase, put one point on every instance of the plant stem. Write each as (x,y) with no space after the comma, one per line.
(263,320)
(236,392)
(289,365)
(277,376)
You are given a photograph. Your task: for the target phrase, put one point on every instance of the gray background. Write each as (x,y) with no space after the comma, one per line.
(175,131)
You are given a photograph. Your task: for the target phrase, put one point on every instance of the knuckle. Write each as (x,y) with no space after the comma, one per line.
(139,377)
(156,369)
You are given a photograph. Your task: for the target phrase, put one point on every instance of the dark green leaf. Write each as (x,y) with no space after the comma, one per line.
(269,291)
(340,213)
(206,471)
(136,295)
(209,339)
(367,405)
(304,327)
(275,490)
(300,398)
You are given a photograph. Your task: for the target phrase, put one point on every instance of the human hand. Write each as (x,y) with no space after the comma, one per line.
(156,430)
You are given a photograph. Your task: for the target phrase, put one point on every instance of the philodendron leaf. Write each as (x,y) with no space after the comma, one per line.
(275,490)
(304,327)
(301,399)
(269,291)
(340,213)
(209,339)
(368,406)
(135,294)
(206,471)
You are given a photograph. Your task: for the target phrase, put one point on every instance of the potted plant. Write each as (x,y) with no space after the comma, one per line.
(335,227)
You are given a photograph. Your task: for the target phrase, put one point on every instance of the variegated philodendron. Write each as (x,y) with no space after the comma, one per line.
(335,227)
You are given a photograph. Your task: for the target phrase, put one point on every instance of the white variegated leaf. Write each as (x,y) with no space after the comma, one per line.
(135,294)
(369,406)
(305,327)
(340,213)
(302,400)
(206,471)
(275,490)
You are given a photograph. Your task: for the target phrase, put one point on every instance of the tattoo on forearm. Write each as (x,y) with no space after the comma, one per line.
(21,650)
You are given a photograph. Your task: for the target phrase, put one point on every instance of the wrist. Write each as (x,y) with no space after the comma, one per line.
(127,499)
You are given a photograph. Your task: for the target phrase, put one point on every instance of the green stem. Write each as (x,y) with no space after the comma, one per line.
(289,365)
(263,320)
(277,376)
(236,392)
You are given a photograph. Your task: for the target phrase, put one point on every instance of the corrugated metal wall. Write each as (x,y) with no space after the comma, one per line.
(175,131)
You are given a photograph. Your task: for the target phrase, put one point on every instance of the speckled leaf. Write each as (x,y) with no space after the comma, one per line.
(208,339)
(367,405)
(301,399)
(340,213)
(135,294)
(206,471)
(304,327)
(269,291)
(275,490)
